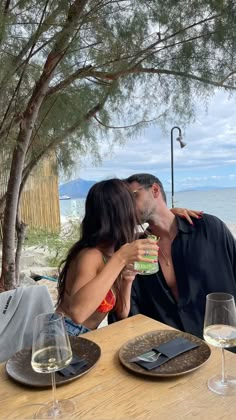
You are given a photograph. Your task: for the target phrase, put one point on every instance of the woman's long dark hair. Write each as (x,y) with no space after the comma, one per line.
(110,220)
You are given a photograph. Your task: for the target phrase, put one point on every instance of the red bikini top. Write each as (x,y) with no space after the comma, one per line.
(108,303)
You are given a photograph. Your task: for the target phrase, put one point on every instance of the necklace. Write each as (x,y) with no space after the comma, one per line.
(165,257)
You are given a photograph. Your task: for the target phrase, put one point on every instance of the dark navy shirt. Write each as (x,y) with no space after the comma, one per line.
(204,259)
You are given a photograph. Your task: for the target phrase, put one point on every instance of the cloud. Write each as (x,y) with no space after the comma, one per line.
(209,157)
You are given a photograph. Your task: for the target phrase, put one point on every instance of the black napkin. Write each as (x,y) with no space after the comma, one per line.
(164,352)
(76,365)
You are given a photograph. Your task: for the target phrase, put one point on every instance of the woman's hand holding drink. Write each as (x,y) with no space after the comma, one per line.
(152,265)
(141,256)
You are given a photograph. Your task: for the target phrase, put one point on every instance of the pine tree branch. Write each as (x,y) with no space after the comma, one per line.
(16,90)
(167,38)
(218,84)
(232,73)
(7,6)
(131,125)
(80,73)
(4,18)
(134,64)
(18,61)
(153,70)
(58,139)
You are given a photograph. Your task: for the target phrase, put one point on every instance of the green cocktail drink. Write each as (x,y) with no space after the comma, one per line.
(146,268)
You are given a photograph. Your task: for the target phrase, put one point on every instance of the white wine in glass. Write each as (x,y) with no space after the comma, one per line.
(51,351)
(220,331)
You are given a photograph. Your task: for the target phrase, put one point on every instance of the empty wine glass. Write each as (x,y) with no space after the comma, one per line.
(51,351)
(220,331)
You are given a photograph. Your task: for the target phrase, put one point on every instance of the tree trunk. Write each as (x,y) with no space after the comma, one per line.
(8,277)
(20,231)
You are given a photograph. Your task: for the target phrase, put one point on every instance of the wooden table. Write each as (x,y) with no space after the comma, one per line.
(109,391)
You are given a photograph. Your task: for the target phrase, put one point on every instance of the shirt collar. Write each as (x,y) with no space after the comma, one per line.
(183,225)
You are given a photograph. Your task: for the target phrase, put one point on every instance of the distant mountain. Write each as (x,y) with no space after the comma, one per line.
(206,188)
(78,188)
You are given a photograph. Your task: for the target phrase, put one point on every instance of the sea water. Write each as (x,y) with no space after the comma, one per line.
(220,202)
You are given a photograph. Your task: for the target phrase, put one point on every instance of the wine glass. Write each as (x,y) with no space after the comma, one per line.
(51,351)
(220,331)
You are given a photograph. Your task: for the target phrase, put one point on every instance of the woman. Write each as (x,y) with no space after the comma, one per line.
(91,282)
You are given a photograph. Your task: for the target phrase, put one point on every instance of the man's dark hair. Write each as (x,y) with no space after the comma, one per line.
(146,180)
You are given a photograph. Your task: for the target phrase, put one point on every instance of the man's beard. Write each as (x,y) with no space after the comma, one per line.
(145,216)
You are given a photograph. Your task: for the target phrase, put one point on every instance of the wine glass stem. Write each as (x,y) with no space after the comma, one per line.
(223,365)
(55,401)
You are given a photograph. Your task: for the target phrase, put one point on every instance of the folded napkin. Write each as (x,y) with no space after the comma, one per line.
(76,365)
(161,354)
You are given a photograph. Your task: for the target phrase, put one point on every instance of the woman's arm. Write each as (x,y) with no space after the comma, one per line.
(122,308)
(187,213)
(92,280)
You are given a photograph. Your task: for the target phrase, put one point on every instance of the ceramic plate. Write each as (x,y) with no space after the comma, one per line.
(19,367)
(179,365)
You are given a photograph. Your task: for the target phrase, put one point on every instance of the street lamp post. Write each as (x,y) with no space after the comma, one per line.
(182,144)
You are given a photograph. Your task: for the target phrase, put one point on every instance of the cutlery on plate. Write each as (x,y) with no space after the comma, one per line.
(151,356)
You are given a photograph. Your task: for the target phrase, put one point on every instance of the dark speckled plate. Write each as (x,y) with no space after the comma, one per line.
(19,367)
(179,365)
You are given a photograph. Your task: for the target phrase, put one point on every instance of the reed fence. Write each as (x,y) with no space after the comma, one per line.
(39,205)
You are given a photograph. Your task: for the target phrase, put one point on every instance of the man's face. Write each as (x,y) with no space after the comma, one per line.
(145,202)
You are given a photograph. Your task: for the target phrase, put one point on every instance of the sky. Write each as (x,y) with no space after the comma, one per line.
(208,160)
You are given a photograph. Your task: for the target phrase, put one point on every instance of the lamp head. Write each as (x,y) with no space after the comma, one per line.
(181,142)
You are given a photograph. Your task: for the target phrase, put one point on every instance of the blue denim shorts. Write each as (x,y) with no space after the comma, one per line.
(75,329)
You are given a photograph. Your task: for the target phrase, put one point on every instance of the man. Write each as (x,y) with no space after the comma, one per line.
(194,260)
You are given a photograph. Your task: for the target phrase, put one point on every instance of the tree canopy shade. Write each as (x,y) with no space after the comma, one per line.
(72,68)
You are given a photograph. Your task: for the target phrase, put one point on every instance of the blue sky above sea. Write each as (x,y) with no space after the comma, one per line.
(208,160)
